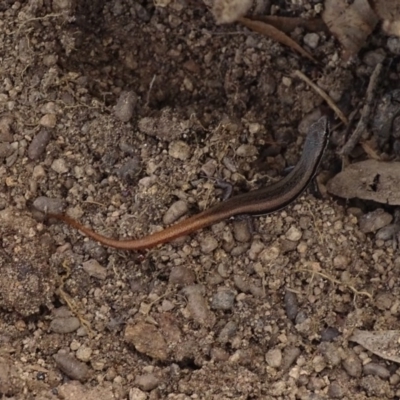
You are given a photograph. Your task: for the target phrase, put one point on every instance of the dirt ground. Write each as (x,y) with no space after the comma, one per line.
(117,110)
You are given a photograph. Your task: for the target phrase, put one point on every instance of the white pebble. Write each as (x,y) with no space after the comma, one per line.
(293,234)
(59,166)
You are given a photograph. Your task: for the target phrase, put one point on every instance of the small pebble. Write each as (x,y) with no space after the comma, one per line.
(318,363)
(376,369)
(270,254)
(38,144)
(352,365)
(329,334)
(182,276)
(179,150)
(394,379)
(125,106)
(38,172)
(302,247)
(301,317)
(293,234)
(387,232)
(290,355)
(227,332)
(223,299)
(5,150)
(48,121)
(274,358)
(84,353)
(208,244)
(71,367)
(93,268)
(60,166)
(224,270)
(393,44)
(331,353)
(50,60)
(291,305)
(246,150)
(197,305)
(311,40)
(147,339)
(335,391)
(188,84)
(254,127)
(341,262)
(241,231)
(375,220)
(5,129)
(219,355)
(48,108)
(137,394)
(255,249)
(176,210)
(286,81)
(48,205)
(209,168)
(214,279)
(384,301)
(147,382)
(65,325)
(242,284)
(287,246)
(228,241)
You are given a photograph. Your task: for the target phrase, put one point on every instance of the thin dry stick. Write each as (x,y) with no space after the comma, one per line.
(337,282)
(149,91)
(366,110)
(330,102)
(275,34)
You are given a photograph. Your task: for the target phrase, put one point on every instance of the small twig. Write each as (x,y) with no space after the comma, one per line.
(275,34)
(330,102)
(365,113)
(352,117)
(47,16)
(150,87)
(337,282)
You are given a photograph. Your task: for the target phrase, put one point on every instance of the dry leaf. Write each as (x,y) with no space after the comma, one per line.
(384,344)
(350,23)
(368,180)
(275,34)
(389,12)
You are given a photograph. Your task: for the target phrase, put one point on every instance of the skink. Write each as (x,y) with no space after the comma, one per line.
(262,201)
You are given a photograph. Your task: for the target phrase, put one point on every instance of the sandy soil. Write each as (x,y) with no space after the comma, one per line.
(115,111)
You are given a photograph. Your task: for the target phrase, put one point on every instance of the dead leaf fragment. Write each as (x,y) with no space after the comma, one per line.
(368,180)
(384,344)
(350,23)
